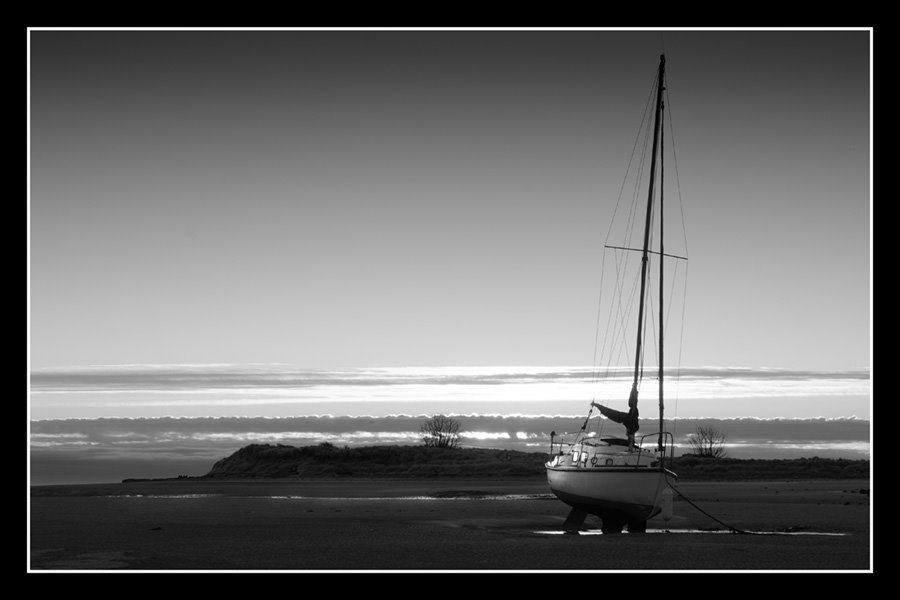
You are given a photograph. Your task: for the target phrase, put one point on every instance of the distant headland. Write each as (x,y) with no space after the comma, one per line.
(325,460)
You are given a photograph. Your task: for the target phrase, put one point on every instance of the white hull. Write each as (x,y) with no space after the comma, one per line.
(632,491)
(609,481)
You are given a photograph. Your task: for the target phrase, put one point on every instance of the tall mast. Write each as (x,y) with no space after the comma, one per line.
(662,180)
(632,401)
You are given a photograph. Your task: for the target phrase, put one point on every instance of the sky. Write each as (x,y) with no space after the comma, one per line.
(365,199)
(282,391)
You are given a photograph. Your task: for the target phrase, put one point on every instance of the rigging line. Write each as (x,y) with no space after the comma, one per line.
(636,194)
(674,278)
(666,328)
(649,295)
(671,299)
(599,426)
(687,266)
(674,152)
(622,314)
(644,126)
(651,330)
(675,159)
(596,368)
(617,324)
(614,293)
(622,261)
(644,118)
(617,317)
(611,339)
(622,322)
(585,424)
(653,325)
(637,137)
(626,320)
(680,342)
(617,321)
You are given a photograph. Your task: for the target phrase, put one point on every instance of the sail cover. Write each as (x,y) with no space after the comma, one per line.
(628,419)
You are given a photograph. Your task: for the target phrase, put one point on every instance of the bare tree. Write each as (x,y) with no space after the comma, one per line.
(707,441)
(440,432)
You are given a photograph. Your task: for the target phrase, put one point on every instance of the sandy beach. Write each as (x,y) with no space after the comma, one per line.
(437,525)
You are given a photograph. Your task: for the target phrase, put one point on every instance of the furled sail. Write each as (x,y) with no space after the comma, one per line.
(628,419)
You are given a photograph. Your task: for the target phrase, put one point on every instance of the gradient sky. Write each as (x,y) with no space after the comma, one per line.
(340,199)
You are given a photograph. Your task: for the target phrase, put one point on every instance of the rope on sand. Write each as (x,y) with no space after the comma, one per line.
(731,528)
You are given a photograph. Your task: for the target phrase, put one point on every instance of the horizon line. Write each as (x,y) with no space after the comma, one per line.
(428,415)
(155,365)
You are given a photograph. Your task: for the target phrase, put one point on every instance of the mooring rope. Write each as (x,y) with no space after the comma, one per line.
(731,528)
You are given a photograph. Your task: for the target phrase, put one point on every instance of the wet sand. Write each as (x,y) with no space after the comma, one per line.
(466,525)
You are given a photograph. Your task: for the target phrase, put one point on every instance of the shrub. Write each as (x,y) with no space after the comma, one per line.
(440,432)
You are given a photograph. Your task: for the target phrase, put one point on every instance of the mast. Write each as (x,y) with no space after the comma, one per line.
(632,401)
(662,181)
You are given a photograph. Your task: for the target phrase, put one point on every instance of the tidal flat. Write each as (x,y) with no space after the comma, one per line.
(438,525)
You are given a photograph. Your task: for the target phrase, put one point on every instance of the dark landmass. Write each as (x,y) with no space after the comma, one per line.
(266,461)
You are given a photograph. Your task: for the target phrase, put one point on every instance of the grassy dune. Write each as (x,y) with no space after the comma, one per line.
(416,462)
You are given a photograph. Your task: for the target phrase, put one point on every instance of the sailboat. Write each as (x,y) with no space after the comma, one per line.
(624,481)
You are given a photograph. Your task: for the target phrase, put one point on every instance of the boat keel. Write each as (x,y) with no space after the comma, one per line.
(612,521)
(637,526)
(574,521)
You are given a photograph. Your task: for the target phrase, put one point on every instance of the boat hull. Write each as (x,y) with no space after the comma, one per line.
(633,492)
